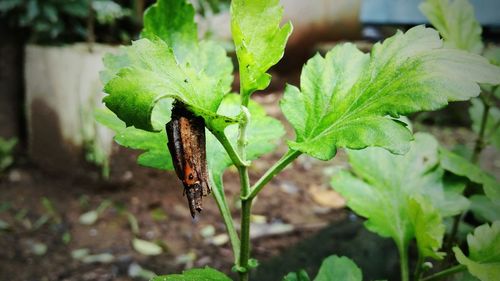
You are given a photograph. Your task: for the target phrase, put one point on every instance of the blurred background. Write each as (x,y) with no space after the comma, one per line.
(76,206)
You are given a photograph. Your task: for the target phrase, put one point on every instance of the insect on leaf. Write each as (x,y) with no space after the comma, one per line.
(186,143)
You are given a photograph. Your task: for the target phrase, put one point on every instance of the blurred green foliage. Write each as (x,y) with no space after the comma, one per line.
(6,150)
(63,21)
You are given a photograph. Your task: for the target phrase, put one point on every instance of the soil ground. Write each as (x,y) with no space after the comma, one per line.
(32,248)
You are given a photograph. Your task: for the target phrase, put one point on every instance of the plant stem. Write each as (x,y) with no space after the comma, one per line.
(403,262)
(246,209)
(444,273)
(418,268)
(246,205)
(220,198)
(231,151)
(478,147)
(286,159)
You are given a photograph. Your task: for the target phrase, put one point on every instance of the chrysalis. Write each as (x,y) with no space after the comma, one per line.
(186,143)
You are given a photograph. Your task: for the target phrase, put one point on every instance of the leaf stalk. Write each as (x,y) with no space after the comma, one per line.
(444,273)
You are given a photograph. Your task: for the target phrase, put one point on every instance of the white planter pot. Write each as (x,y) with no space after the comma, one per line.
(62,91)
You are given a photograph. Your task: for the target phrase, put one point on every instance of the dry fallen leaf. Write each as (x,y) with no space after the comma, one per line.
(326,197)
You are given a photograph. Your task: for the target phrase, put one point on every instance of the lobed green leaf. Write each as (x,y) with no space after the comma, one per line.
(196,274)
(167,63)
(346,97)
(456,22)
(484,252)
(154,144)
(259,40)
(333,268)
(460,166)
(336,268)
(172,21)
(402,196)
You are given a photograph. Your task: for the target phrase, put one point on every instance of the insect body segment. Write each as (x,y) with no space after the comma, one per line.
(186,143)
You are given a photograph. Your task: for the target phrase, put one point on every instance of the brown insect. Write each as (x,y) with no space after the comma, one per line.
(186,143)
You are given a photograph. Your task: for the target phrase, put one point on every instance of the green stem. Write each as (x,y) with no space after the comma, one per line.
(403,262)
(220,199)
(444,273)
(478,147)
(285,160)
(246,205)
(418,268)
(246,210)
(231,151)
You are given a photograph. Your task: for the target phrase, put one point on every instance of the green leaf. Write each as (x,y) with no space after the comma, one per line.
(492,52)
(460,166)
(173,22)
(402,197)
(197,274)
(152,72)
(484,209)
(300,275)
(154,144)
(6,152)
(492,129)
(259,40)
(263,133)
(336,268)
(429,239)
(456,22)
(484,252)
(346,96)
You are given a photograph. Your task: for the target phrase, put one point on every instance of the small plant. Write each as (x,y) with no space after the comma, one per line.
(6,151)
(58,21)
(347,99)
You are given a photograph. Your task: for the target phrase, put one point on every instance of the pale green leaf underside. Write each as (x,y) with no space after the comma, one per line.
(402,197)
(346,97)
(456,22)
(336,268)
(172,21)
(460,166)
(484,252)
(196,274)
(259,40)
(154,144)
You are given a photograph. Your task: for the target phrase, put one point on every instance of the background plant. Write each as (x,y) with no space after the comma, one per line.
(6,152)
(347,99)
(409,197)
(62,21)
